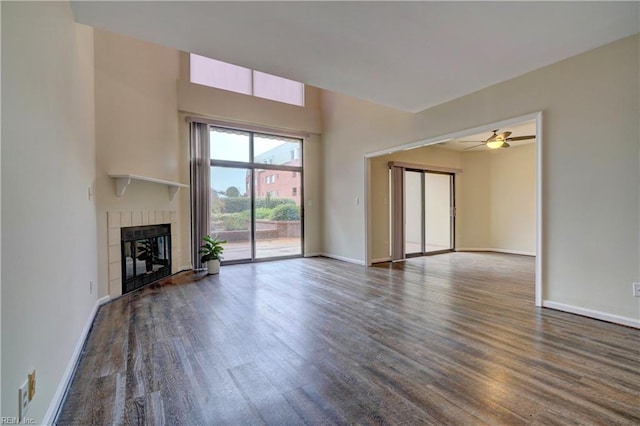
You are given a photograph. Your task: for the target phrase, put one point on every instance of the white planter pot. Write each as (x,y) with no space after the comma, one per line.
(213,266)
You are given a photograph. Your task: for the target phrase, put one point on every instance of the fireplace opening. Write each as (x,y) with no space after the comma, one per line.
(146,255)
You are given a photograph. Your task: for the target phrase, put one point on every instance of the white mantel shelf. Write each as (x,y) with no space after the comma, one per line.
(122,181)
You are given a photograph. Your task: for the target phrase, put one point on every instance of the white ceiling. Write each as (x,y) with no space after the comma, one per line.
(522,129)
(407,55)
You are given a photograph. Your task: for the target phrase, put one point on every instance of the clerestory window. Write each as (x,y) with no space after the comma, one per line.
(222,75)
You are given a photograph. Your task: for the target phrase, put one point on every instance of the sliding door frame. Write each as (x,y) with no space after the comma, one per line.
(398,213)
(452,214)
(253,166)
(452,211)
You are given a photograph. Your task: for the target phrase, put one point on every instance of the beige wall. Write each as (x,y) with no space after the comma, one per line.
(142,97)
(351,129)
(495,197)
(233,108)
(223,104)
(590,168)
(137,133)
(379,194)
(513,199)
(497,208)
(473,221)
(590,163)
(48,220)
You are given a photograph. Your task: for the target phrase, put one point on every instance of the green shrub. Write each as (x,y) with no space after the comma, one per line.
(263,213)
(236,204)
(287,211)
(270,203)
(239,204)
(236,221)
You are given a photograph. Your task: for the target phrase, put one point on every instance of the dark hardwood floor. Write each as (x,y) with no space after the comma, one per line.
(447,339)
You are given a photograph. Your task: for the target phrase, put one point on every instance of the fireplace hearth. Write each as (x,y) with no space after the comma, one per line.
(146,255)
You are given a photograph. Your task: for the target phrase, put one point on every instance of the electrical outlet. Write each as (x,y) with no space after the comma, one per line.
(32,384)
(23,400)
(636,289)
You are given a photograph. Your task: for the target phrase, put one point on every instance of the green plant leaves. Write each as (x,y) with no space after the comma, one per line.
(212,249)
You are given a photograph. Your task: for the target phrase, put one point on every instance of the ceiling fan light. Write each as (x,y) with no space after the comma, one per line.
(495,144)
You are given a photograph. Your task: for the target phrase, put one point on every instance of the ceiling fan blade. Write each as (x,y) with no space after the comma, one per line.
(498,136)
(471,141)
(521,138)
(471,147)
(505,145)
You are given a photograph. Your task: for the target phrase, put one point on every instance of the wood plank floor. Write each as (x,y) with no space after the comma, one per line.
(447,339)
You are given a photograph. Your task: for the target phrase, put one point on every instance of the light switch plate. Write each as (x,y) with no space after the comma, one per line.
(23,400)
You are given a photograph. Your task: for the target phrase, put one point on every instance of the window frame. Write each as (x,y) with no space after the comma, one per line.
(250,90)
(255,168)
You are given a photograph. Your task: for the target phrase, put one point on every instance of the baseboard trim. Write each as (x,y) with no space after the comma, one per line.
(65,381)
(496,250)
(314,254)
(184,268)
(342,258)
(603,316)
(381,260)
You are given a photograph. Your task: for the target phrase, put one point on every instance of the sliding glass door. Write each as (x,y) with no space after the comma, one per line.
(438,212)
(256,194)
(413,206)
(230,199)
(428,212)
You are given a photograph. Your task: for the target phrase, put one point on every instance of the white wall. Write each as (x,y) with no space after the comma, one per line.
(590,168)
(48,222)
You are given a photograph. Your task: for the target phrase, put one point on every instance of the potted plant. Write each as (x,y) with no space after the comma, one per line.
(211,252)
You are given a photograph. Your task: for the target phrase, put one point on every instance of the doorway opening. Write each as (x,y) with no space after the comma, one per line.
(490,211)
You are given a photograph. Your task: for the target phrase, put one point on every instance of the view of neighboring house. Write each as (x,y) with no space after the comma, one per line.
(281,184)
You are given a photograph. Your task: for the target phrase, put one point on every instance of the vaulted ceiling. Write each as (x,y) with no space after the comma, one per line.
(407,55)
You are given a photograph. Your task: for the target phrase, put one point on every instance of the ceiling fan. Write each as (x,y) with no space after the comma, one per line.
(499,140)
